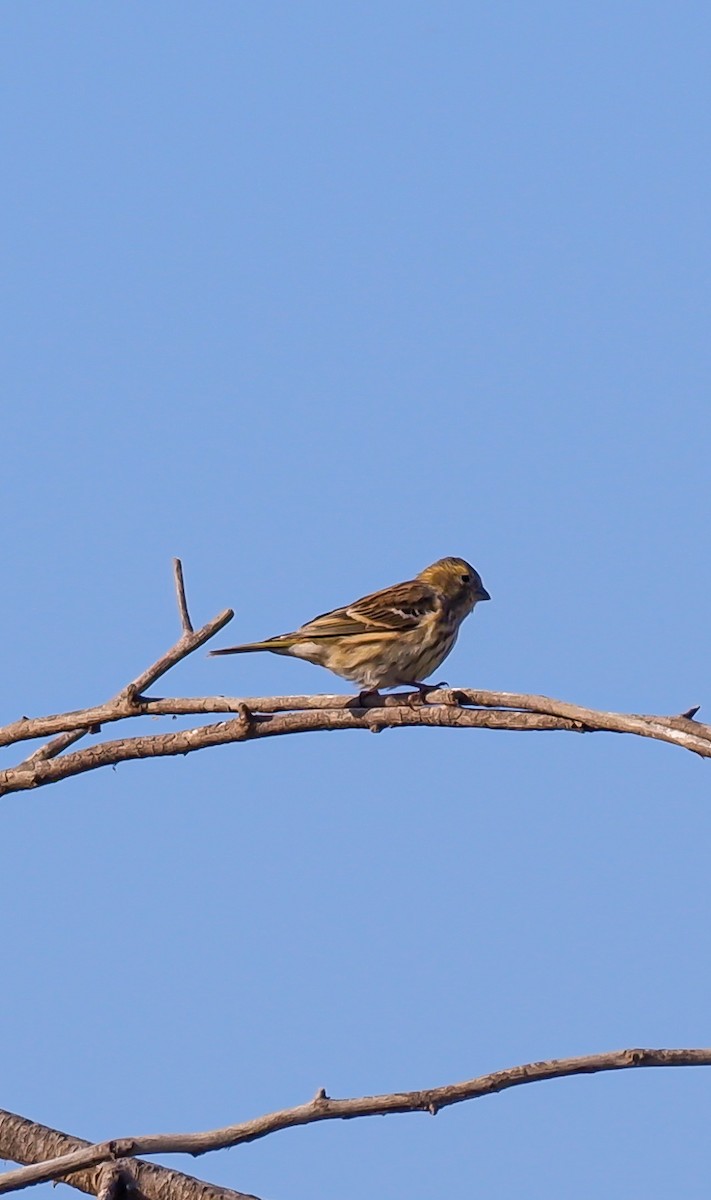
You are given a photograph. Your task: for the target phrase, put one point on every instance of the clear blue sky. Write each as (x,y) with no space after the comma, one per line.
(311,295)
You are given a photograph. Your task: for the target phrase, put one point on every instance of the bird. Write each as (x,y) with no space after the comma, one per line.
(396,637)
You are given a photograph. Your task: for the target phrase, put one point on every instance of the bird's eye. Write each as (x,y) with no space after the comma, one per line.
(465,578)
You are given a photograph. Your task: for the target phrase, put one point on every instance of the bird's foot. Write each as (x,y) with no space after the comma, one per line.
(423,690)
(361,700)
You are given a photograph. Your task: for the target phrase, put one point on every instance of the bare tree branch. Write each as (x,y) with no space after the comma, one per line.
(378,713)
(117,710)
(29,1142)
(323,1108)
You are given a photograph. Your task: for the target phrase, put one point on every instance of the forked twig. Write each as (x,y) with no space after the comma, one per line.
(128,703)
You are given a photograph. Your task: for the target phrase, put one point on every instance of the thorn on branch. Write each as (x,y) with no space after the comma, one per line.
(320,1095)
(690,712)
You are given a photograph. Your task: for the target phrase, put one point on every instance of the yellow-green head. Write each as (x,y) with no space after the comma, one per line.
(456,579)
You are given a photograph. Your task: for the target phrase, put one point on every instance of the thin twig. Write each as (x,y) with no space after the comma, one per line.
(180,593)
(185,645)
(323,1108)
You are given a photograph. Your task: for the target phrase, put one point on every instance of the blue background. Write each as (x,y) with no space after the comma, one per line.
(311,295)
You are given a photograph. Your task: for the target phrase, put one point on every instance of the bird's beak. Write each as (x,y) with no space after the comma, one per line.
(482,594)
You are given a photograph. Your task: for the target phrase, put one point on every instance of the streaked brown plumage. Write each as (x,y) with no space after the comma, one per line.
(397,636)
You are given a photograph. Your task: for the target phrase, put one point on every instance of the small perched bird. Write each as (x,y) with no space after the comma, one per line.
(394,637)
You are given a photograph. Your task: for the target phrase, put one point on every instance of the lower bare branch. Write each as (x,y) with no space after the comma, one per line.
(323,1108)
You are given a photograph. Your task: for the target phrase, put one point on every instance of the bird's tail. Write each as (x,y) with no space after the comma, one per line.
(277,645)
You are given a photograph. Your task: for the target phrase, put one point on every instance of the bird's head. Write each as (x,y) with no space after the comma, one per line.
(458,581)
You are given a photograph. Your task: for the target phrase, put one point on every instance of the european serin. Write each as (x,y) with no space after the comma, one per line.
(395,637)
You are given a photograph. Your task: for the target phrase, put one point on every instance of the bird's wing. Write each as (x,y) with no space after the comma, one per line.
(393,610)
